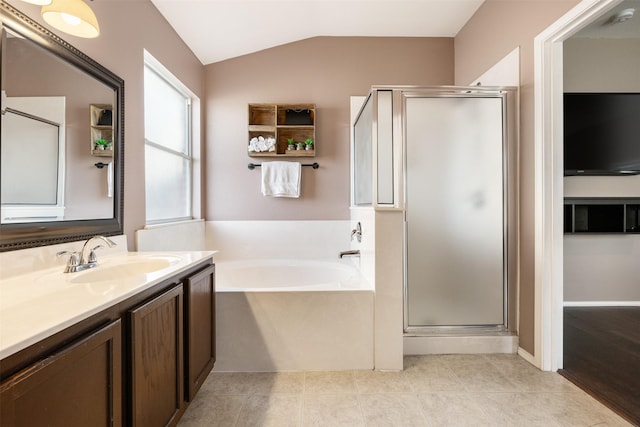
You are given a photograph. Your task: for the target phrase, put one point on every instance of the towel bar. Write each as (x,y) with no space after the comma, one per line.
(252,166)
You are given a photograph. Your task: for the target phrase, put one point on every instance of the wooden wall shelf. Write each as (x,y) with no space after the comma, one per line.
(100,131)
(273,120)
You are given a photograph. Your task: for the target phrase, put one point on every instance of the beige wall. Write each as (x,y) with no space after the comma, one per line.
(325,71)
(495,30)
(128,27)
(601,65)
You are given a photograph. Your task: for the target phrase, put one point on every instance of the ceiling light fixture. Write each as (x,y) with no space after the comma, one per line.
(74,17)
(622,16)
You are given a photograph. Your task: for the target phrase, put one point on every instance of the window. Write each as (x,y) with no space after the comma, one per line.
(169,148)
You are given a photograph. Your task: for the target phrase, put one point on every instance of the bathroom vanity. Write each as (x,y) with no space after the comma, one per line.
(120,344)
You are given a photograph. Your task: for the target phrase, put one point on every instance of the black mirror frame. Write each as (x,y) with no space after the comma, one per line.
(27,235)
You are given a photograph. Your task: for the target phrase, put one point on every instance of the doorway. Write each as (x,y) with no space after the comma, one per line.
(549,172)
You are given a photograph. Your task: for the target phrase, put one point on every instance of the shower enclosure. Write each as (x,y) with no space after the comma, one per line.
(446,157)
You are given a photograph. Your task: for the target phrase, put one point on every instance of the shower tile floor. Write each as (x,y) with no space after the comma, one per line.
(443,390)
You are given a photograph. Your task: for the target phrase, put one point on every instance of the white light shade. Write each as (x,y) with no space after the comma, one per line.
(73,17)
(38,2)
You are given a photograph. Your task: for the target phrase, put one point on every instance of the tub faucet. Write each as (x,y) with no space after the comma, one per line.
(86,258)
(350,253)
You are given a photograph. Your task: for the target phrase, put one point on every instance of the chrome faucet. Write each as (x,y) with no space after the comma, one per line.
(355,252)
(91,257)
(86,258)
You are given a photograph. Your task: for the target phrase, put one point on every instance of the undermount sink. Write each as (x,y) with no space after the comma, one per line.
(122,270)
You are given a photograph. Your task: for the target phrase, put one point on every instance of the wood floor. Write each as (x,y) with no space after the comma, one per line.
(602,355)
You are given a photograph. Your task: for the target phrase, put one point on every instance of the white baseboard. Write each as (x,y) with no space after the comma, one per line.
(460,345)
(601,303)
(527,356)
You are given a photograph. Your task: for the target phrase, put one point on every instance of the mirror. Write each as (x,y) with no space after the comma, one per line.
(62,139)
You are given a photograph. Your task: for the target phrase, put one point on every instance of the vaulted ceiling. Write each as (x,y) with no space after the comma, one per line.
(216,30)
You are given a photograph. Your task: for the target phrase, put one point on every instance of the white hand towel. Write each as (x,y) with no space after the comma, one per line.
(110,179)
(281,179)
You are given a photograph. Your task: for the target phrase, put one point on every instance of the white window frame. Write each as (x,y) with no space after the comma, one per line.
(194,138)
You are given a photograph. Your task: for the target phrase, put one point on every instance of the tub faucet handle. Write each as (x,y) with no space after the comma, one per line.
(357,232)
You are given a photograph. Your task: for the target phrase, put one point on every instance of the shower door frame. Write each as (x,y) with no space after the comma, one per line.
(510,184)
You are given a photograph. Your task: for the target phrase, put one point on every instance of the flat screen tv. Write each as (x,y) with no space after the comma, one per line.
(601,133)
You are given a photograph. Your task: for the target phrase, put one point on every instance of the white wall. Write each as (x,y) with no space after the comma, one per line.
(505,72)
(237,240)
(181,236)
(602,268)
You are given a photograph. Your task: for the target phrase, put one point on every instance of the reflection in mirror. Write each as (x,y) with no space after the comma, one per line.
(31,73)
(55,106)
(32,157)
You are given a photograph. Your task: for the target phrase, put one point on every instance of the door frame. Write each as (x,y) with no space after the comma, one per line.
(549,175)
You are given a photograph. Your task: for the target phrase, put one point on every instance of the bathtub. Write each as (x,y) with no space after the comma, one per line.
(292,315)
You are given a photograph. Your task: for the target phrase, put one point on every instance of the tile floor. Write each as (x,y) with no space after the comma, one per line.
(447,390)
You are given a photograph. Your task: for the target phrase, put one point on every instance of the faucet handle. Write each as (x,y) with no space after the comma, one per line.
(74,261)
(357,232)
(108,241)
(92,254)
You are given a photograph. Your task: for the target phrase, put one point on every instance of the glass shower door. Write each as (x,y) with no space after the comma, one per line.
(455,211)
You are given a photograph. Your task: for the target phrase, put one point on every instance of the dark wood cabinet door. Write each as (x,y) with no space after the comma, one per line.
(156,360)
(80,385)
(200,329)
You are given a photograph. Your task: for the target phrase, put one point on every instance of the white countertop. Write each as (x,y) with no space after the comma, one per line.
(39,304)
